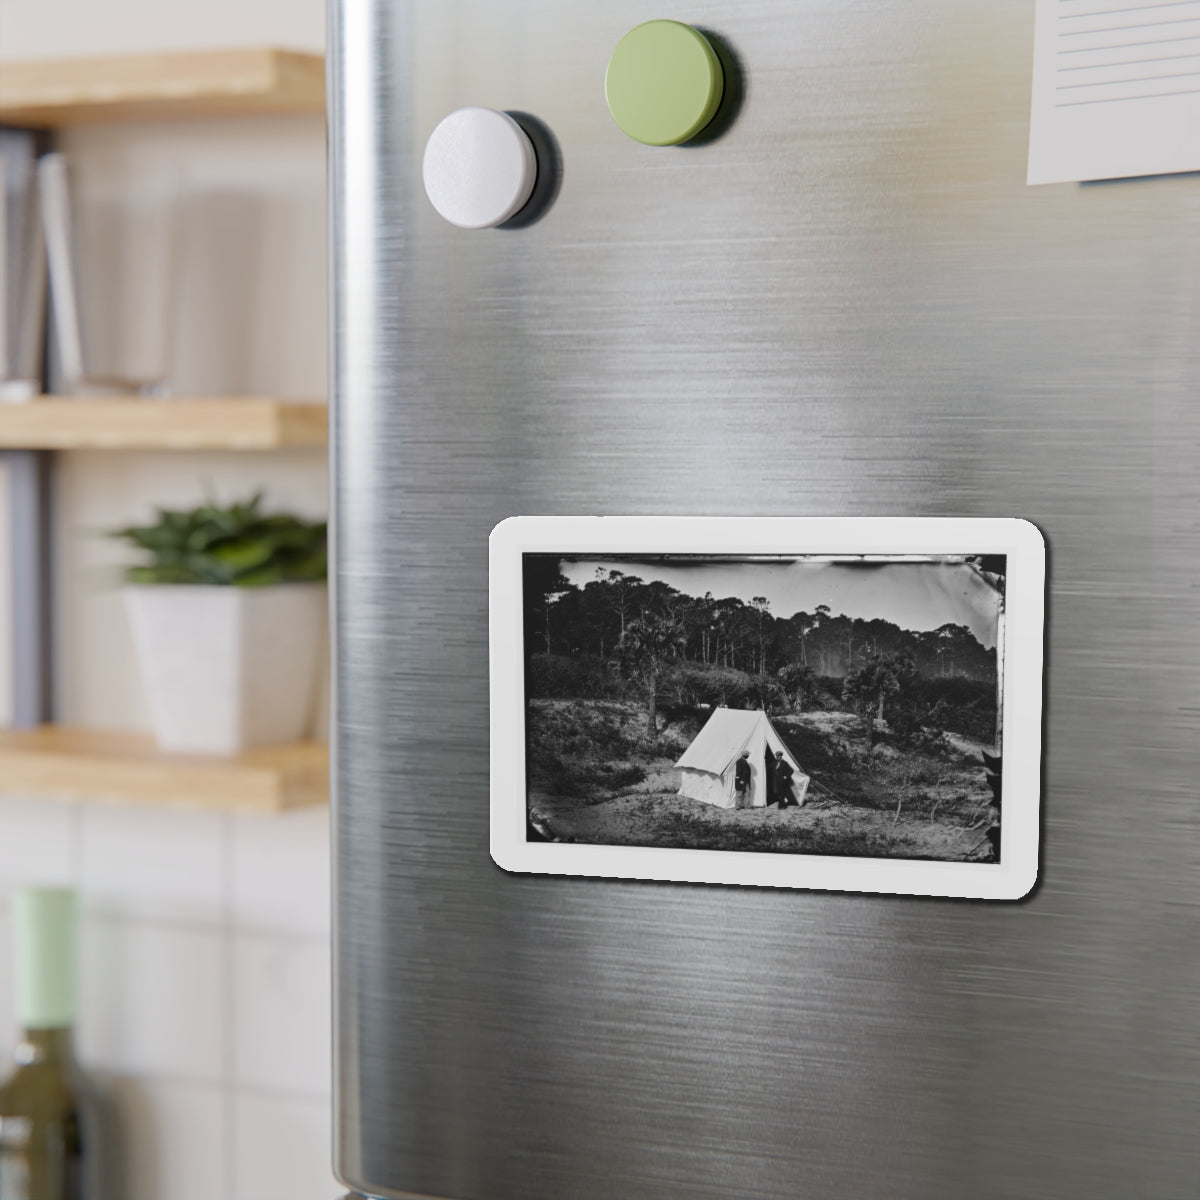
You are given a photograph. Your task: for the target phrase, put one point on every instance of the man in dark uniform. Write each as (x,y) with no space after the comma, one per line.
(742,773)
(783,782)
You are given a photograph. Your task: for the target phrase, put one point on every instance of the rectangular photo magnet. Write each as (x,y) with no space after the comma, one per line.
(847,704)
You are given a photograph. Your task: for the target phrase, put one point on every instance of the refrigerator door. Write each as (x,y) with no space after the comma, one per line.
(848,303)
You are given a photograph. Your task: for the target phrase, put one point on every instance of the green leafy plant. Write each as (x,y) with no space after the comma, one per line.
(237,546)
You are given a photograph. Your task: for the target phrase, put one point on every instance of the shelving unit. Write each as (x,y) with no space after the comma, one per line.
(37,758)
(80,764)
(225,423)
(218,83)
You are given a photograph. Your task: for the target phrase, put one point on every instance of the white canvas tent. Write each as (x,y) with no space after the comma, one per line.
(707,766)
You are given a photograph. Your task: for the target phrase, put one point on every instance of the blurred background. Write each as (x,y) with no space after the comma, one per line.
(204,944)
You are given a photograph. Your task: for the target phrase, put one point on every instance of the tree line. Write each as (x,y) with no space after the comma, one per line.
(601,617)
(620,630)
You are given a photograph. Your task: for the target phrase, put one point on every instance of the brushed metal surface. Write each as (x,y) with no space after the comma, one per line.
(848,304)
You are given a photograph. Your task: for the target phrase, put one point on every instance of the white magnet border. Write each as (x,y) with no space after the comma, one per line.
(1020,541)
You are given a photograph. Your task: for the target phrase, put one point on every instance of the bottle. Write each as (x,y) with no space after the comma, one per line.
(41,1105)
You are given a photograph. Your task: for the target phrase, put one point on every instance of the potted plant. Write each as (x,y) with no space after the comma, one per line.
(228,622)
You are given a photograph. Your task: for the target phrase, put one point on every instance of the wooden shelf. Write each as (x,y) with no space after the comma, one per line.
(228,423)
(78,764)
(215,83)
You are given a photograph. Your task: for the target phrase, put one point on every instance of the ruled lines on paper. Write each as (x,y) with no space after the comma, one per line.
(1116,89)
(1107,54)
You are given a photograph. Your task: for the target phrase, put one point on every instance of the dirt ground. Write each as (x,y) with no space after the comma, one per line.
(637,819)
(944,819)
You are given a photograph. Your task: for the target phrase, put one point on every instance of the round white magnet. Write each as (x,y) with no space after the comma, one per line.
(479,168)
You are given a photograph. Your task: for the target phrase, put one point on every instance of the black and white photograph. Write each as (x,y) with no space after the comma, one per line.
(792,704)
(824,704)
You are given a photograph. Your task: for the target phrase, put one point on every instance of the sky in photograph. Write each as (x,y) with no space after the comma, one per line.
(916,596)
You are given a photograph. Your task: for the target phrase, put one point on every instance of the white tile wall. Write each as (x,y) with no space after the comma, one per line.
(281,872)
(154,864)
(7,1016)
(6,699)
(171,1140)
(281,1015)
(282,1150)
(156,1000)
(38,843)
(205,1007)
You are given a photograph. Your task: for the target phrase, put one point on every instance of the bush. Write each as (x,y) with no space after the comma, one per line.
(554,676)
(689,685)
(677,735)
(932,742)
(625,775)
(561,778)
(963,706)
(602,732)
(818,750)
(585,750)
(768,694)
(828,695)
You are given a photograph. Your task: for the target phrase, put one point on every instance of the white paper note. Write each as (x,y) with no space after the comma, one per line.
(1116,89)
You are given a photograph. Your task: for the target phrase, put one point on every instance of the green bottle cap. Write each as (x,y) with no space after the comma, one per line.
(664,83)
(44,924)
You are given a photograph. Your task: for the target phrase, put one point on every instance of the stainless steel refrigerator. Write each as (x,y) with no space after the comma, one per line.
(842,299)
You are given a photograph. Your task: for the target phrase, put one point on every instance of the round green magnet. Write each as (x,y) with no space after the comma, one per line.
(664,83)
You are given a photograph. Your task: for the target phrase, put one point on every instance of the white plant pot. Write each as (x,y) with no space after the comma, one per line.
(227,668)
